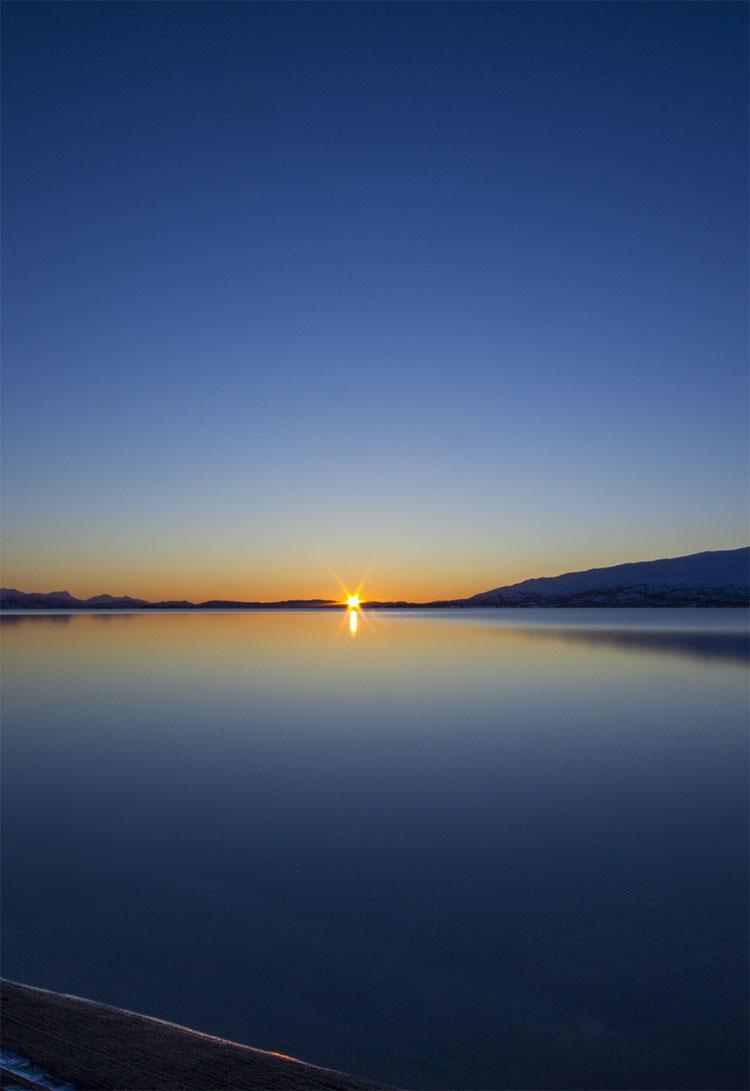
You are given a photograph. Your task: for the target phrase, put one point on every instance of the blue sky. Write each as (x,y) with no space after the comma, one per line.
(448,294)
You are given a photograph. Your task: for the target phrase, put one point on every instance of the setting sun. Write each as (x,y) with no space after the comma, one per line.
(352,601)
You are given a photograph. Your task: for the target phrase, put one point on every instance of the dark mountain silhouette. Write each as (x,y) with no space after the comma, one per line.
(12,599)
(112,600)
(713,578)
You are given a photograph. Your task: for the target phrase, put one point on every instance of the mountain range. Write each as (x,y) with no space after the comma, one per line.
(713,578)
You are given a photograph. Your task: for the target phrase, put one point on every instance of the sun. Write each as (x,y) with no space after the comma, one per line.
(352,601)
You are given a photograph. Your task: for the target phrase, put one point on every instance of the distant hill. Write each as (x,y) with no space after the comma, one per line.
(11,599)
(714,578)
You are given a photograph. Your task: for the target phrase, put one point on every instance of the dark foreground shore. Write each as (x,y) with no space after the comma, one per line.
(98,1048)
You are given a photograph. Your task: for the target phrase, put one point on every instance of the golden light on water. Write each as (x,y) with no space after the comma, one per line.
(352,600)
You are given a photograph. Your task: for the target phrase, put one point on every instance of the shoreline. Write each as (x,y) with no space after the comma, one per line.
(96,1047)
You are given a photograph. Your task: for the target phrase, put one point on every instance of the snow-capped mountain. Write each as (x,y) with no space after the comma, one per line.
(714,578)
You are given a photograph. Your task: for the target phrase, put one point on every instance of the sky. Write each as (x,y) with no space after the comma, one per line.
(434,296)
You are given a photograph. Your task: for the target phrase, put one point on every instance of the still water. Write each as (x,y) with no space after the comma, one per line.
(458,849)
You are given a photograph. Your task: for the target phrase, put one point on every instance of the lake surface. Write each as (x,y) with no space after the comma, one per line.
(458,849)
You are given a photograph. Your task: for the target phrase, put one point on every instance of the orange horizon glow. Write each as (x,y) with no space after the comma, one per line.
(152,591)
(181,575)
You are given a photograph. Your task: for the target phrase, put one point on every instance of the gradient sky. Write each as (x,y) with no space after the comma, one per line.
(449,294)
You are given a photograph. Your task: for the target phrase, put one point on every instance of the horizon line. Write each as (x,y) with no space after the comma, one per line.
(327,602)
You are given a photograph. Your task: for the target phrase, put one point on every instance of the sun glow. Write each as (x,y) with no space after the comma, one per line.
(352,601)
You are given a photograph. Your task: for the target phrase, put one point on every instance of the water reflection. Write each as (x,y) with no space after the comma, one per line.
(18,619)
(732,647)
(521,839)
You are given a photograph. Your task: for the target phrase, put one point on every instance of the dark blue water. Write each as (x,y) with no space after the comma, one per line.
(501,849)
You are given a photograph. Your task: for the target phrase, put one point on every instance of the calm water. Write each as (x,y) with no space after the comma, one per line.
(456,850)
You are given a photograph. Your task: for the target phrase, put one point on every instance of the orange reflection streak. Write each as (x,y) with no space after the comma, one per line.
(353,621)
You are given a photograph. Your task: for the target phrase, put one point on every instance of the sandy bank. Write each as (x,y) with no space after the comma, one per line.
(99,1048)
